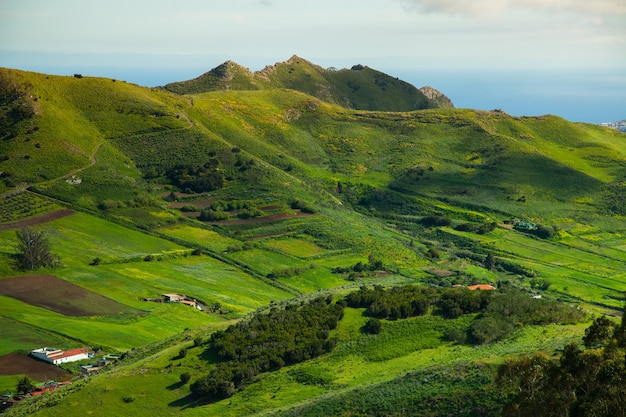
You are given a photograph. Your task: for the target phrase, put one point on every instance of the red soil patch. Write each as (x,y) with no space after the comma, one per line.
(441,273)
(60,296)
(16,364)
(33,221)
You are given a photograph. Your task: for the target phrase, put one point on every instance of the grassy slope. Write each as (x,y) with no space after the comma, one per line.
(392,167)
(359,88)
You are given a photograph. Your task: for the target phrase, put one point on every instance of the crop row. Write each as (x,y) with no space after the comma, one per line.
(21,206)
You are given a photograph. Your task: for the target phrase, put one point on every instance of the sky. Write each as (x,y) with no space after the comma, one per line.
(526,57)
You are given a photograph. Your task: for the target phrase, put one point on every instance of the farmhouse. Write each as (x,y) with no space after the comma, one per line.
(173,298)
(183,299)
(57,356)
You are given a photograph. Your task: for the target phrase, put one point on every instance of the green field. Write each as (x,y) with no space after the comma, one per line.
(301,195)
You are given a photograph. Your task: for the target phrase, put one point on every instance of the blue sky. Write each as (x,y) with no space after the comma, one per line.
(527,57)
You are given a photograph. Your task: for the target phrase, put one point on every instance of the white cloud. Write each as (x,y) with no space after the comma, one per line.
(492,8)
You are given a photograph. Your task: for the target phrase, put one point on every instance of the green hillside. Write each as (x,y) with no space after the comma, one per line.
(255,194)
(360,87)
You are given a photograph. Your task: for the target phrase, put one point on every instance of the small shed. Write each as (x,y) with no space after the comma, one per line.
(173,298)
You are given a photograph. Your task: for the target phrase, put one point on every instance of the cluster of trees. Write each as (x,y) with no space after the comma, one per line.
(542,231)
(397,302)
(268,342)
(583,382)
(455,302)
(373,264)
(221,210)
(508,310)
(199,179)
(498,314)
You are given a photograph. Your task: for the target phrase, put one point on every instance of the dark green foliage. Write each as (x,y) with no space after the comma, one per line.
(34,249)
(455,302)
(395,303)
(268,342)
(614,199)
(488,329)
(542,231)
(432,221)
(499,314)
(25,385)
(582,383)
(303,206)
(373,264)
(490,261)
(16,104)
(539,284)
(519,307)
(185,377)
(199,179)
(373,326)
(599,332)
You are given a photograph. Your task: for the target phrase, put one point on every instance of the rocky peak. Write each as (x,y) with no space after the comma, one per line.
(436,96)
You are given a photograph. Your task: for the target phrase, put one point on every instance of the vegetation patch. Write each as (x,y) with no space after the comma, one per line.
(37,220)
(60,296)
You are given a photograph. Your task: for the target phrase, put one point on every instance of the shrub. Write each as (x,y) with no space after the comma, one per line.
(185,377)
(373,326)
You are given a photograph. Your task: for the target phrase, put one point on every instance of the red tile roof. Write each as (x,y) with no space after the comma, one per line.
(482,287)
(67,353)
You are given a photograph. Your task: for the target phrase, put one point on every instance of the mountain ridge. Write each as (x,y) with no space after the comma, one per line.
(359,88)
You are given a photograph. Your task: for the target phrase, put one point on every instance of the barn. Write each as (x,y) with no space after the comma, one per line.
(57,356)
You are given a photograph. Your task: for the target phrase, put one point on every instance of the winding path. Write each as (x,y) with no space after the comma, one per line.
(24,186)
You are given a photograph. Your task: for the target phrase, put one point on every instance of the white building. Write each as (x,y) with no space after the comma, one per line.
(57,356)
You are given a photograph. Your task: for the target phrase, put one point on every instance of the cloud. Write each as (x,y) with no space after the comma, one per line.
(492,8)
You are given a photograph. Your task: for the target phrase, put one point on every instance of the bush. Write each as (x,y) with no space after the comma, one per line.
(373,326)
(432,221)
(489,329)
(185,377)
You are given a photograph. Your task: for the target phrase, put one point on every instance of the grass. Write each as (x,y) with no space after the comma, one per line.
(295,247)
(201,237)
(370,176)
(21,337)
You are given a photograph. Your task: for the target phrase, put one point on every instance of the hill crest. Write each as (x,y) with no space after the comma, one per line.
(359,88)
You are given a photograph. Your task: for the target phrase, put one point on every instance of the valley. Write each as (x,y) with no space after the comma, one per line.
(259,194)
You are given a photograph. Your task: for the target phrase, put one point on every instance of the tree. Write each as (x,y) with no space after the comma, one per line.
(25,385)
(490,261)
(599,332)
(185,377)
(373,326)
(34,249)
